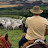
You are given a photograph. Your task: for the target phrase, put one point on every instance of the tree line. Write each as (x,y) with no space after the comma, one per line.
(20,12)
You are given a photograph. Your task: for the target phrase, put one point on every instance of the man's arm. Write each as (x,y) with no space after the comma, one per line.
(46,33)
(26,24)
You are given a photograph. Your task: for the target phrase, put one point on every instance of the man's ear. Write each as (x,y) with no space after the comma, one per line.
(6,37)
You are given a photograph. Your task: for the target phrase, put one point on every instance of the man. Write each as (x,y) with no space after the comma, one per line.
(36,26)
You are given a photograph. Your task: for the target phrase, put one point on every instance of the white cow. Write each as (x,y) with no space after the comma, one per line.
(6,24)
(15,25)
(20,20)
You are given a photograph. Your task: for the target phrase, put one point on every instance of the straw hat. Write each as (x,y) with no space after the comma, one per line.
(36,10)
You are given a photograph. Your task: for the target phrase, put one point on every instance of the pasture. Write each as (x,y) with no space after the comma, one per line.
(14,36)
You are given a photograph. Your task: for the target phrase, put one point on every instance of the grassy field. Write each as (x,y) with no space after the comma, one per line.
(12,16)
(14,36)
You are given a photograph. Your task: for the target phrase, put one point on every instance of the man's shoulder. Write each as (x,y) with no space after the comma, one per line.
(28,18)
(44,18)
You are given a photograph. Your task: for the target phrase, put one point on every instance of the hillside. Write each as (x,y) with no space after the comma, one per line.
(3,2)
(22,11)
(5,6)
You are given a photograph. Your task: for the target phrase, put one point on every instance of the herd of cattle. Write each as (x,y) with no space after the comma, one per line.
(8,23)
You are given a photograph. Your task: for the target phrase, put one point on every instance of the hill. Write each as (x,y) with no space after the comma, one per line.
(3,3)
(22,11)
(6,6)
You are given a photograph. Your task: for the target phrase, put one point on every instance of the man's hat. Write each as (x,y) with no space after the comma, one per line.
(36,10)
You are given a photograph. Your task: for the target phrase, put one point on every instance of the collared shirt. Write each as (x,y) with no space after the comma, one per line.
(36,27)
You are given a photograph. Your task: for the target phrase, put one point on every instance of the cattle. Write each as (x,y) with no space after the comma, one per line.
(7,22)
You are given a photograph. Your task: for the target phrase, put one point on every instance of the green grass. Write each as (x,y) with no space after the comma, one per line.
(46,38)
(14,36)
(12,16)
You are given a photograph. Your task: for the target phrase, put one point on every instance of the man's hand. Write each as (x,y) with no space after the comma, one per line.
(23,35)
